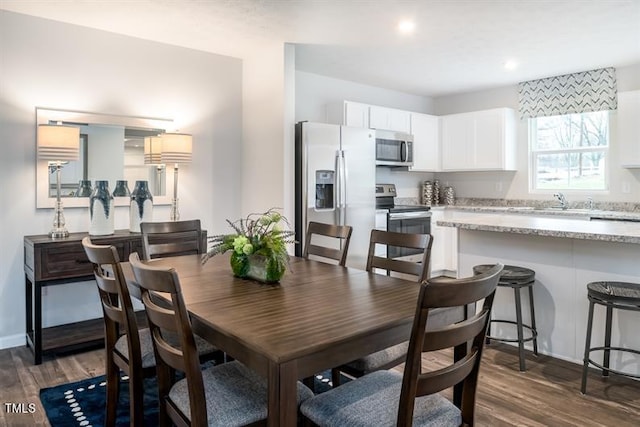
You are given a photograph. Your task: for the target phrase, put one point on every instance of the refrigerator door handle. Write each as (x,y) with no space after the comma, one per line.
(341,193)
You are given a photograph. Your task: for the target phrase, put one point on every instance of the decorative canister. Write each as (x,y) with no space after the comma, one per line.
(427,193)
(84,188)
(122,189)
(141,207)
(101,210)
(436,192)
(449,196)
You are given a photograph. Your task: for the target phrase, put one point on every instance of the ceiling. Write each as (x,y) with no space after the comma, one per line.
(457,46)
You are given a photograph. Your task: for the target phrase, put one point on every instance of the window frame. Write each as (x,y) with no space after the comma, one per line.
(532,157)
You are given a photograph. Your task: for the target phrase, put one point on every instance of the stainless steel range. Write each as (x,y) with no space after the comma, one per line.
(402,219)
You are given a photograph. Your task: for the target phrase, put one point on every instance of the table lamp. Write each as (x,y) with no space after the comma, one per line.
(176,149)
(152,156)
(58,144)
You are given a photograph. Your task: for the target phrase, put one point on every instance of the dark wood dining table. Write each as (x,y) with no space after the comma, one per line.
(319,316)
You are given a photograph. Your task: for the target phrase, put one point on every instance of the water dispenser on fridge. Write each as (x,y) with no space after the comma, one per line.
(325,195)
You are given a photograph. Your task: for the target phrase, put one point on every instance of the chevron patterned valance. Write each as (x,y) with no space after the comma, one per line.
(571,93)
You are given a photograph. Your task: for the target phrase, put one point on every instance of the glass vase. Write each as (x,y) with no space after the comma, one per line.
(141,206)
(101,210)
(84,188)
(122,189)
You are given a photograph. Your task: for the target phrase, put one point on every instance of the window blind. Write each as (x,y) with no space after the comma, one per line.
(583,92)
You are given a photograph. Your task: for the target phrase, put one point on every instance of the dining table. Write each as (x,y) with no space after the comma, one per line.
(317,317)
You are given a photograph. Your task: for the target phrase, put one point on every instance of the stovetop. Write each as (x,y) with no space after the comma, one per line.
(385,199)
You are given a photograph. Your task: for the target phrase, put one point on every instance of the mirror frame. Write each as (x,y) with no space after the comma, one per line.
(46,115)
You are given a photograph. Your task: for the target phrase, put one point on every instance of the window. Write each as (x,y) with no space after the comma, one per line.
(569,152)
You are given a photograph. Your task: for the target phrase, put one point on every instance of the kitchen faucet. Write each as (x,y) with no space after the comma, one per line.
(563,201)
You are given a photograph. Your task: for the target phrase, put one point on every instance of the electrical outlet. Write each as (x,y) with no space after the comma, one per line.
(626,187)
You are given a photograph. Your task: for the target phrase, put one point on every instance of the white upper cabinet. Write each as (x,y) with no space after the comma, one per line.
(628,128)
(349,113)
(426,143)
(480,140)
(389,119)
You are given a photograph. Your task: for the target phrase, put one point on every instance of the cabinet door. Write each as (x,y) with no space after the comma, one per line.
(438,247)
(457,141)
(628,128)
(426,142)
(389,119)
(488,140)
(356,114)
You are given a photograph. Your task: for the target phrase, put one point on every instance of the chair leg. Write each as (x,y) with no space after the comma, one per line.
(113,393)
(519,328)
(607,341)
(587,347)
(136,399)
(335,377)
(534,329)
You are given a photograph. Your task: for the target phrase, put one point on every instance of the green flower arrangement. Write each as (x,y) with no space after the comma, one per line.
(258,245)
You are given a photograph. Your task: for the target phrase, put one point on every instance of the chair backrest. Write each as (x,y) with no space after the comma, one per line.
(115,298)
(404,240)
(162,239)
(466,338)
(341,232)
(169,317)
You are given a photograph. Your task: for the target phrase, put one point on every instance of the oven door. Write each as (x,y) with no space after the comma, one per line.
(417,222)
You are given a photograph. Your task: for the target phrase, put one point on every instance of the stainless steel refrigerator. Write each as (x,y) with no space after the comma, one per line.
(335,176)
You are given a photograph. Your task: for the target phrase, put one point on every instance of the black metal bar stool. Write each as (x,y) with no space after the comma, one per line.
(516,278)
(619,295)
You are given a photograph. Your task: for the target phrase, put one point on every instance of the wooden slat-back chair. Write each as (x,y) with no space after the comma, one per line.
(122,338)
(162,239)
(392,356)
(187,402)
(388,398)
(342,232)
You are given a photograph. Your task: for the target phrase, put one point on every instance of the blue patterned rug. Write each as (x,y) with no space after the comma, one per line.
(82,403)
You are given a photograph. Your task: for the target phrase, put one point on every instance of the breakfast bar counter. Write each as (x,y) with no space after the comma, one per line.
(566,252)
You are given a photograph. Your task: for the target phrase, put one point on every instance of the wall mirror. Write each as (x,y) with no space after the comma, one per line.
(111,148)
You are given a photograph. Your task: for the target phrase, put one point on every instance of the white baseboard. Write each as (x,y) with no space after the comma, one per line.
(12,341)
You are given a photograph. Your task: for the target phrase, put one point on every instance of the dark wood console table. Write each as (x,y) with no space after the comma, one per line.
(50,262)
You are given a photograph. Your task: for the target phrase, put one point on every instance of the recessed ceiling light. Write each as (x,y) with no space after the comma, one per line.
(510,64)
(406,26)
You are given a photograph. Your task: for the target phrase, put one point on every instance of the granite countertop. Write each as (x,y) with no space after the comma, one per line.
(572,225)
(575,213)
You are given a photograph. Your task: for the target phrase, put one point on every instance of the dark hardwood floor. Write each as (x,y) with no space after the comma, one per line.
(548,394)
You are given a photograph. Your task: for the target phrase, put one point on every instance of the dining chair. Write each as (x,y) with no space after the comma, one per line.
(389,398)
(341,233)
(392,356)
(127,348)
(163,239)
(221,395)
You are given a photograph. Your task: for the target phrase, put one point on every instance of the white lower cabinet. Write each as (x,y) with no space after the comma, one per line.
(480,140)
(444,250)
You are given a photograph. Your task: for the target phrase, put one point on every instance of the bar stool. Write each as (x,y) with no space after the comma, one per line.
(619,295)
(516,278)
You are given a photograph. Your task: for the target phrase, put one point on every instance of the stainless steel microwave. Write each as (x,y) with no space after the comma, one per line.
(394,148)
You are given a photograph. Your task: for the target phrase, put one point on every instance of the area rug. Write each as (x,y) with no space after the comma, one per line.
(82,403)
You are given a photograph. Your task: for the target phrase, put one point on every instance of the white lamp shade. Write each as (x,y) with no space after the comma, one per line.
(59,143)
(176,148)
(152,150)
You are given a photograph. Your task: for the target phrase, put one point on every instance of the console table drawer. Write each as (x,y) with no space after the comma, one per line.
(69,260)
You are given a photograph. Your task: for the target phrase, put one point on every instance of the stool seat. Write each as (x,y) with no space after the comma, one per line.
(616,292)
(611,295)
(516,278)
(511,274)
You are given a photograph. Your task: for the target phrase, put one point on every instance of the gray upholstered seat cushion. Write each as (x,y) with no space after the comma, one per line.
(146,347)
(235,395)
(372,400)
(379,360)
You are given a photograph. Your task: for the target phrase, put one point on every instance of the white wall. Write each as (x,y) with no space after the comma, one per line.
(515,185)
(56,65)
